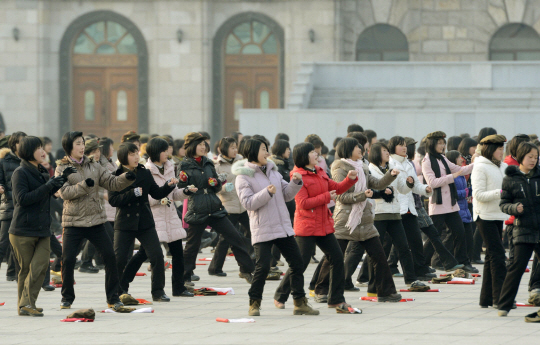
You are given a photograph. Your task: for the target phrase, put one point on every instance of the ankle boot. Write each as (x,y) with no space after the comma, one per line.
(301,307)
(254,307)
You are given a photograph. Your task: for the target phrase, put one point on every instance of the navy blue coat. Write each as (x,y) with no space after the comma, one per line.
(461,186)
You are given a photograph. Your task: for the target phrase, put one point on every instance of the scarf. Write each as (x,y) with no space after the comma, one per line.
(360,186)
(80,162)
(437,196)
(496,162)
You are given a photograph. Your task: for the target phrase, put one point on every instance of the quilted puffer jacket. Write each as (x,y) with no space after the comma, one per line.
(82,204)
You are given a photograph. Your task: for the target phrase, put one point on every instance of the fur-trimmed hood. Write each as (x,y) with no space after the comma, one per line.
(68,161)
(4,152)
(277,160)
(243,167)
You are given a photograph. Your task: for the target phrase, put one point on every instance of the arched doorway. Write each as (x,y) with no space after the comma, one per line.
(514,42)
(103,74)
(248,69)
(382,42)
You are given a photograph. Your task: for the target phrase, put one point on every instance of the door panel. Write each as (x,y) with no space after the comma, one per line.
(253,87)
(88,100)
(122,101)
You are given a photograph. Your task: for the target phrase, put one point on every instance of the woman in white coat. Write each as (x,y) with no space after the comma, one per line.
(387,210)
(397,147)
(486,178)
(168,224)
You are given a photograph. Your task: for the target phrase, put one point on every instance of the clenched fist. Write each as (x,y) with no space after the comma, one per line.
(352,174)
(410,180)
(297,177)
(272,189)
(428,189)
(520,208)
(395,172)
(368,193)
(333,195)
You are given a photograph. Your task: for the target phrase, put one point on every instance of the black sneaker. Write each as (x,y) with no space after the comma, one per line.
(78,264)
(162,298)
(432,270)
(88,269)
(470,269)
(219,274)
(11,278)
(393,298)
(65,305)
(195,278)
(48,287)
(478,262)
(184,294)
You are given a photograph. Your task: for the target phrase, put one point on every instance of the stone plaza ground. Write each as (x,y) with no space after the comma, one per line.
(451,316)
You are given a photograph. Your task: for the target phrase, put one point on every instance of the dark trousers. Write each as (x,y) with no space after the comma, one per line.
(151,248)
(263,256)
(353,256)
(6,250)
(72,240)
(456,231)
(222,248)
(56,248)
(135,263)
(416,245)
(436,245)
(330,247)
(382,282)
(89,252)
(494,266)
(469,238)
(394,228)
(522,254)
(222,226)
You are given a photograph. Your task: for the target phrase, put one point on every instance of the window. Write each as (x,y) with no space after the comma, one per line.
(105,38)
(251,38)
(238,104)
(121,106)
(382,42)
(89,105)
(515,42)
(264,100)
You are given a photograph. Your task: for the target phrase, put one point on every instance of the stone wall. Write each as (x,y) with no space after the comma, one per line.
(437,30)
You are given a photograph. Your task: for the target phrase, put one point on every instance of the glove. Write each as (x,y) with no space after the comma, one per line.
(229,187)
(68,171)
(56,182)
(166,201)
(222,177)
(89,182)
(130,175)
(138,192)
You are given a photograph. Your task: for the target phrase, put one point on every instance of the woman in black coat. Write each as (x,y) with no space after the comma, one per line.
(521,198)
(134,220)
(29,232)
(205,208)
(9,161)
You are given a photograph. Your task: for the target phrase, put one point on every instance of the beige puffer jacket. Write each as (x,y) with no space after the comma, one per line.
(168,225)
(344,203)
(229,199)
(82,204)
(111,167)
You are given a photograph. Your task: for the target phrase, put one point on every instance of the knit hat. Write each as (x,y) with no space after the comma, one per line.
(410,141)
(193,137)
(130,136)
(494,139)
(91,145)
(436,135)
(4,142)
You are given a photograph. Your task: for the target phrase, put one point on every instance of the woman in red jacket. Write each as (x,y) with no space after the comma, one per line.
(313,223)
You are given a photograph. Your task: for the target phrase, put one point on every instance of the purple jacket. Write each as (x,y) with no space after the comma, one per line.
(268,214)
(461,186)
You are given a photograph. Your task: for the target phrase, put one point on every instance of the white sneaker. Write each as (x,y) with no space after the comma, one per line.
(360,284)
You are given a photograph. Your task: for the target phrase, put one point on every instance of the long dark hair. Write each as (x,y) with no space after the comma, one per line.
(466,145)
(105,146)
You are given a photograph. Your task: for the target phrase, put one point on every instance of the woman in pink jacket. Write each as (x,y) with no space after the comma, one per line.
(168,224)
(263,193)
(439,174)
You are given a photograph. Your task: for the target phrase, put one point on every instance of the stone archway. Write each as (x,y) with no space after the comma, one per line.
(138,63)
(246,72)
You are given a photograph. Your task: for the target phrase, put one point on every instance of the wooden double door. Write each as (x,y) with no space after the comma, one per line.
(105,101)
(250,82)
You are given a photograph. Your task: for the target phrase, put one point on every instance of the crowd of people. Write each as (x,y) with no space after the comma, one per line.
(430,204)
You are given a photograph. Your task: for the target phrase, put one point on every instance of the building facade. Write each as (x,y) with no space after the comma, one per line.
(171,67)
